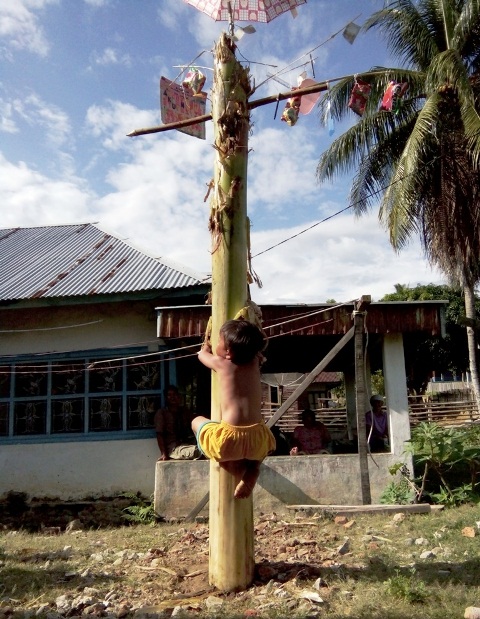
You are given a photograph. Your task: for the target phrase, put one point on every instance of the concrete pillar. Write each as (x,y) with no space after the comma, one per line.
(396,392)
(349,378)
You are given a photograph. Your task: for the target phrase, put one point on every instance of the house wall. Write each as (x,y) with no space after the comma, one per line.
(76,327)
(78,470)
(65,466)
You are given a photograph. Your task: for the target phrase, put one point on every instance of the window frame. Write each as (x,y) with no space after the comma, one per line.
(166,369)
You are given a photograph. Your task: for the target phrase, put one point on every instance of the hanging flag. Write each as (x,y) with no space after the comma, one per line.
(358,98)
(176,104)
(350,32)
(307,102)
(392,98)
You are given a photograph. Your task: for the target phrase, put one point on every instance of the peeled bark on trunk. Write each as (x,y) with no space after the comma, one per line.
(231,565)
(469,294)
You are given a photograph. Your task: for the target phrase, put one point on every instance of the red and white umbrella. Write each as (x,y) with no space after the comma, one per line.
(244,10)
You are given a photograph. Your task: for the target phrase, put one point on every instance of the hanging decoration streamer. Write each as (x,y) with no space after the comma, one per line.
(358,98)
(193,82)
(392,98)
(290,113)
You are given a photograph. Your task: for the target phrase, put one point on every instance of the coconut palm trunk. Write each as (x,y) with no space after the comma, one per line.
(231,563)
(472,340)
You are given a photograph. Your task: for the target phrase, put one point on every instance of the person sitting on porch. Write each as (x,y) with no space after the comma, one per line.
(377,425)
(312,437)
(172,426)
(282,443)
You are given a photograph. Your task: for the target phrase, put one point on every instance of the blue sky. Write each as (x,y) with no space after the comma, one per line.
(78,75)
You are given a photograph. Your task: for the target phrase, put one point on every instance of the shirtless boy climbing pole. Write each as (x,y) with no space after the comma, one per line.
(241,440)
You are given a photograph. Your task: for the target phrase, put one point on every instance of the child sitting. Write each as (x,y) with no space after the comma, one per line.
(241,440)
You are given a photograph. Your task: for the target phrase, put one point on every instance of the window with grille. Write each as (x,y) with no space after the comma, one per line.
(87,395)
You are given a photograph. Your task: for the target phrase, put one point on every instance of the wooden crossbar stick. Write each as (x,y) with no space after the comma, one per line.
(320,87)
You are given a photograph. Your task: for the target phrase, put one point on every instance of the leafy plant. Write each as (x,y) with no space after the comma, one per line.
(378,382)
(456,496)
(397,493)
(439,450)
(407,587)
(141,511)
(402,491)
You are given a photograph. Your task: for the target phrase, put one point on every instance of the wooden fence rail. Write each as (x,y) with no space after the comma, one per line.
(450,414)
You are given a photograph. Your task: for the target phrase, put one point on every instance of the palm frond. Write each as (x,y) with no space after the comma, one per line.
(466,37)
(406,32)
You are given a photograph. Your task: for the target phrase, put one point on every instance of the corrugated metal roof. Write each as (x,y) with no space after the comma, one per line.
(79,260)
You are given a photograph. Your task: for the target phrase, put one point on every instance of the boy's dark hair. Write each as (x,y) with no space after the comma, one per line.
(308,413)
(243,339)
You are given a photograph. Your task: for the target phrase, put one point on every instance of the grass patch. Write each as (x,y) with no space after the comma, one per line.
(382,573)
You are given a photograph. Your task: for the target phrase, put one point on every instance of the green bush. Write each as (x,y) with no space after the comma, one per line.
(448,460)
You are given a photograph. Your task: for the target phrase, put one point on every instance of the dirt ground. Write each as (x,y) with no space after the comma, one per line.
(283,551)
(306,565)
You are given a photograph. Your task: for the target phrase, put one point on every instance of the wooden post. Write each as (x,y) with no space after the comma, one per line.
(231,564)
(360,396)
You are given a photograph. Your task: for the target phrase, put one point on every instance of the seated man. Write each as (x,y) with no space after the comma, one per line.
(312,437)
(282,444)
(174,435)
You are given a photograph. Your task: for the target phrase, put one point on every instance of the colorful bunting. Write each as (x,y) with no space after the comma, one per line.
(392,98)
(358,98)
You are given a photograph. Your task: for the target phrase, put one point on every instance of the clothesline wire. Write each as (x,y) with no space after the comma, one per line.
(353,204)
(286,67)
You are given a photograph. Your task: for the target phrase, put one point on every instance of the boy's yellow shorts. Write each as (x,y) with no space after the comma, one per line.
(223,442)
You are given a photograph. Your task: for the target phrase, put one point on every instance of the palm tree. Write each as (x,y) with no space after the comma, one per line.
(423,156)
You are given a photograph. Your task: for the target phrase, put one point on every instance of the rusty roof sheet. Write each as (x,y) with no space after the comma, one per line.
(322,319)
(78,260)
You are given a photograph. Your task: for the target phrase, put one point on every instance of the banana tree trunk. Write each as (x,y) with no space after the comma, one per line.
(469,295)
(231,564)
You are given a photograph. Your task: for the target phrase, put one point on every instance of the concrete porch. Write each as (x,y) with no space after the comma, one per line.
(284,480)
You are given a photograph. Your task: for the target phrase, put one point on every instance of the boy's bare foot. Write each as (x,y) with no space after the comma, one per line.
(245,486)
(242,491)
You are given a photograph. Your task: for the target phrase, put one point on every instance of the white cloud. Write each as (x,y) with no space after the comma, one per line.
(157,203)
(37,112)
(111,56)
(282,166)
(19,25)
(114,120)
(341,259)
(7,122)
(29,198)
(171,13)
(97,3)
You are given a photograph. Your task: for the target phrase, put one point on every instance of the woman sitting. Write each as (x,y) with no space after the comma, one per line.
(312,437)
